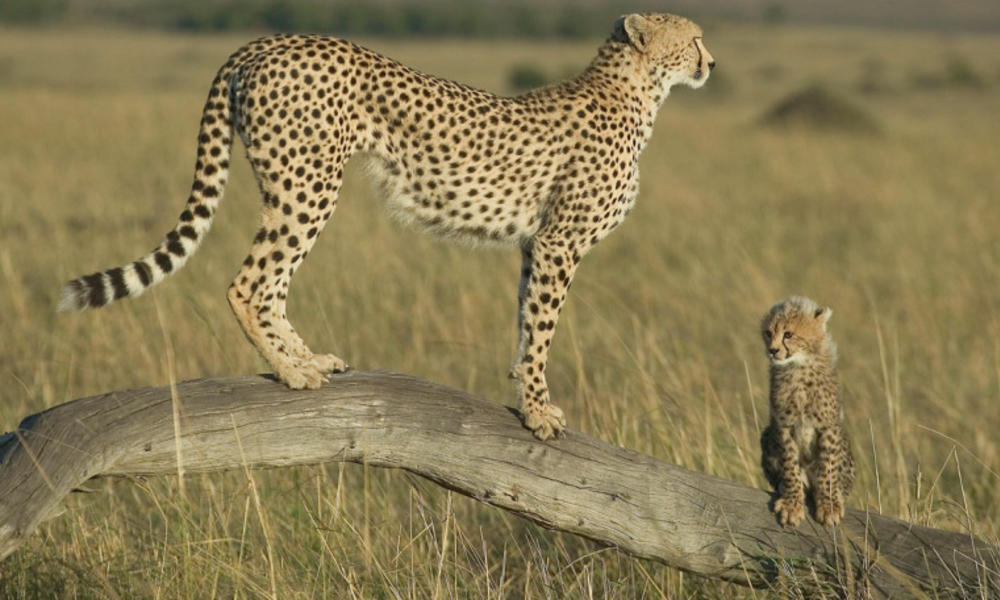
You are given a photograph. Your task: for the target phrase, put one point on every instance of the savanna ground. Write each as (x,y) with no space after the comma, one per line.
(657,350)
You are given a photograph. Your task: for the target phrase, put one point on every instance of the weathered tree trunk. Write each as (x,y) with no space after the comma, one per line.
(647,508)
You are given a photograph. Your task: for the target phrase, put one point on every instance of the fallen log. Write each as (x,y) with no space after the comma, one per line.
(644,507)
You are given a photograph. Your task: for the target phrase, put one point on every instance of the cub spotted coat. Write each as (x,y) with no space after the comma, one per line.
(805,447)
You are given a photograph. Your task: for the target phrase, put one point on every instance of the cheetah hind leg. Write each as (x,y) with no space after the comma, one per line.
(326,364)
(258,295)
(286,353)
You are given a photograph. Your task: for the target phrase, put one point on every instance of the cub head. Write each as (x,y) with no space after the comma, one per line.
(795,330)
(671,48)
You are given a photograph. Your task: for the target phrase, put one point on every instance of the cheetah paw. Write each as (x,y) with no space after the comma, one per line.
(545,422)
(829,512)
(790,512)
(328,363)
(302,374)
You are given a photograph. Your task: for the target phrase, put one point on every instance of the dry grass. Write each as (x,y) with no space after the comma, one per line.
(657,349)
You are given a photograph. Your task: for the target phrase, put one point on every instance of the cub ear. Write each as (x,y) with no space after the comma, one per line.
(824,314)
(633,29)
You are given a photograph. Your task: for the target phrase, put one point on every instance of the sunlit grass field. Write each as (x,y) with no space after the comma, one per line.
(657,349)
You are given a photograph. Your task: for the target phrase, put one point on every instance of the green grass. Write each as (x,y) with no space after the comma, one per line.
(657,349)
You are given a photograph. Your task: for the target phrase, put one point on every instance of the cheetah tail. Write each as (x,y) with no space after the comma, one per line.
(215,140)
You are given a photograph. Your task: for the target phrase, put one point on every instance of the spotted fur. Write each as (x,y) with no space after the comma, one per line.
(805,446)
(552,171)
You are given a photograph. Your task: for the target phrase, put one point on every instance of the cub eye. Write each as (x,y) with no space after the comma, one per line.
(767,335)
(788,335)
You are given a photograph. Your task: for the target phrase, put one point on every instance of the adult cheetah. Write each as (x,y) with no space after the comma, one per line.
(552,171)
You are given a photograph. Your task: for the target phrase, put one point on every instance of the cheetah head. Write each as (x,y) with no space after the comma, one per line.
(670,49)
(795,330)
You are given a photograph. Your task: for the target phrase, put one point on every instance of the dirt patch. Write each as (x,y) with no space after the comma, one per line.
(818,107)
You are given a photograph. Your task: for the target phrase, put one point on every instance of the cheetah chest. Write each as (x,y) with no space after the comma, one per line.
(805,435)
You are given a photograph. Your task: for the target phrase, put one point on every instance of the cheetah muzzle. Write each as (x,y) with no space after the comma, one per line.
(552,171)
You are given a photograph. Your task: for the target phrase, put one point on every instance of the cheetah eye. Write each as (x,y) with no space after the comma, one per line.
(767,335)
(788,335)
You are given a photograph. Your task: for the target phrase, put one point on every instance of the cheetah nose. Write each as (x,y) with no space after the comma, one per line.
(773,351)
(711,65)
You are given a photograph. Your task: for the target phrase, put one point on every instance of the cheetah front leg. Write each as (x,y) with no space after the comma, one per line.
(826,478)
(546,273)
(790,507)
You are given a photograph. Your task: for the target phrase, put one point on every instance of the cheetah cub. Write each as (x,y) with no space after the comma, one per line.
(805,445)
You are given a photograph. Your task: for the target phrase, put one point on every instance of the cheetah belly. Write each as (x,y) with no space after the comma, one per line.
(459,203)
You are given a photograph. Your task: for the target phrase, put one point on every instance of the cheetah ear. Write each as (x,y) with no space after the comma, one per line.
(634,29)
(824,314)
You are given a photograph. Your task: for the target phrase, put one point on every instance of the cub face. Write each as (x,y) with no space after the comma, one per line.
(672,47)
(794,330)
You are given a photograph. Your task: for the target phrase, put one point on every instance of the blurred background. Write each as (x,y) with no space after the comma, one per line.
(489,18)
(846,150)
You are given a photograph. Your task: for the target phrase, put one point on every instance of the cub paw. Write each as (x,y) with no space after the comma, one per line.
(790,512)
(829,511)
(545,422)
